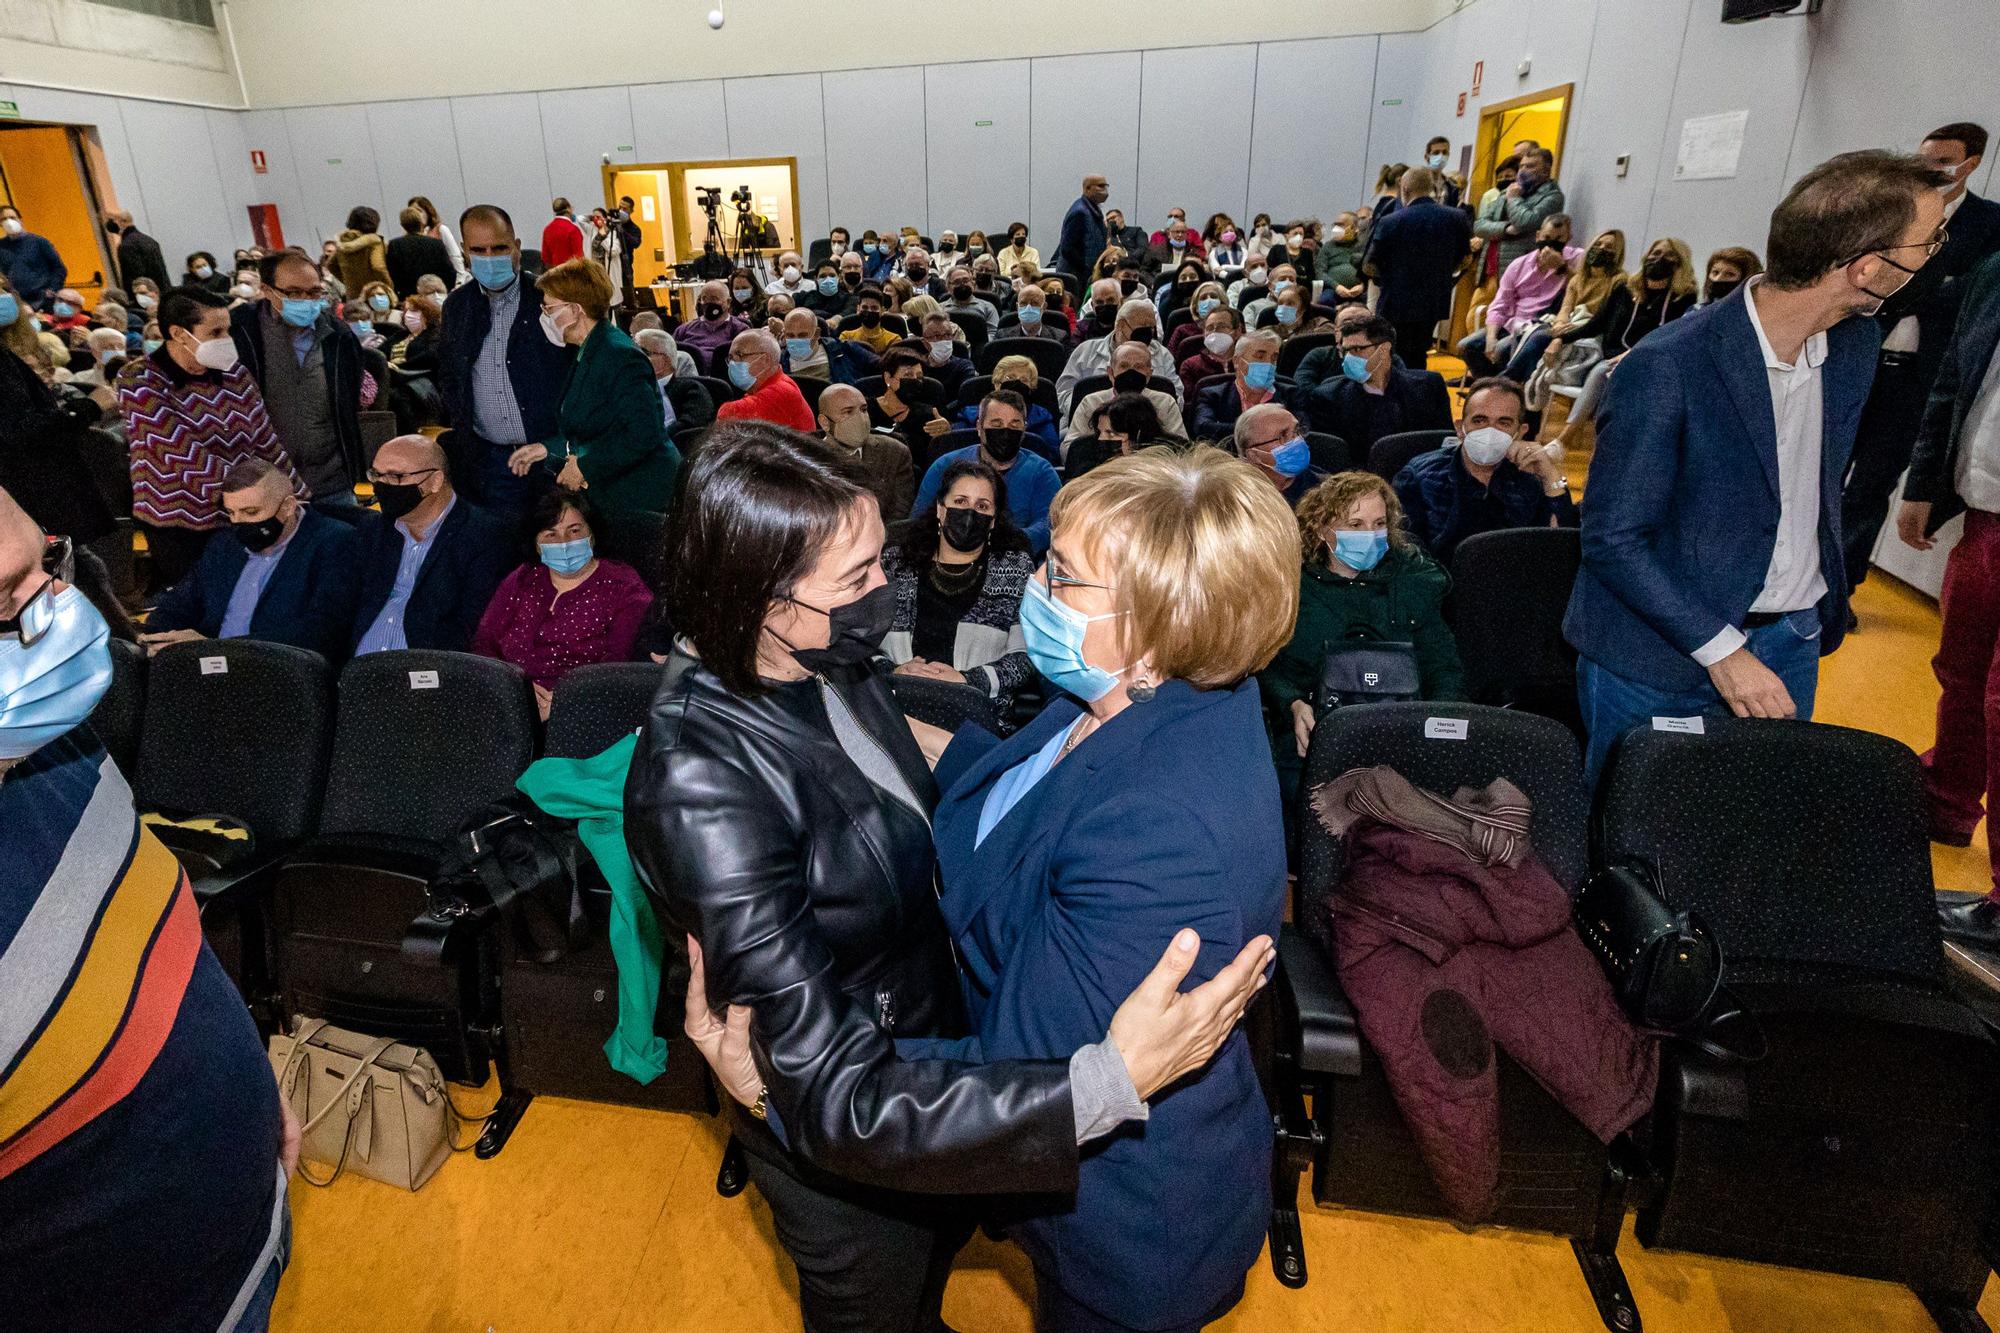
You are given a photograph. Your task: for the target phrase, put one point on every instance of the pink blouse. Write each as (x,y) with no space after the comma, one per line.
(527,624)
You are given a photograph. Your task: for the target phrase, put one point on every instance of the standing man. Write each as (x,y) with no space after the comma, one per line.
(1916,327)
(307,364)
(1517,218)
(1712,576)
(1437,157)
(1956,468)
(1415,254)
(501,378)
(563,239)
(29,262)
(138,254)
(1083,229)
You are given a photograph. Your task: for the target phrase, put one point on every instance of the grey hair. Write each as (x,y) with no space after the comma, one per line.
(657,341)
(1251,416)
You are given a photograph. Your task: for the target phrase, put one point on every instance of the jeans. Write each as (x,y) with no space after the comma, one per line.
(1963,768)
(256,1316)
(1056,1311)
(495,487)
(1528,353)
(1472,350)
(1613,704)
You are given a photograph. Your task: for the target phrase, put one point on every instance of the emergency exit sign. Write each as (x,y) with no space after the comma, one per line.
(10,110)
(257,162)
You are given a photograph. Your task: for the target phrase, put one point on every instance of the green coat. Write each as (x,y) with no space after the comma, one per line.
(611,420)
(1338,266)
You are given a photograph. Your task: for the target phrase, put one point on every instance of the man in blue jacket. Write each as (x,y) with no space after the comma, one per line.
(1082,238)
(428,563)
(501,378)
(1712,577)
(1415,254)
(30,263)
(281,572)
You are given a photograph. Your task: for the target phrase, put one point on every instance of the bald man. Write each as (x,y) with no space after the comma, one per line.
(881,455)
(1083,232)
(428,563)
(712,326)
(769,394)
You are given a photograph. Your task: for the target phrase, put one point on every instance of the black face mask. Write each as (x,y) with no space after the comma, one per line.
(1143,334)
(983,281)
(961,291)
(1128,285)
(1018,386)
(851,278)
(1018,241)
(869,318)
(1550,243)
(1598,258)
(1002,443)
(855,630)
(259,536)
(966,529)
(1720,288)
(1105,314)
(1661,267)
(920,276)
(710,310)
(397,501)
(1129,381)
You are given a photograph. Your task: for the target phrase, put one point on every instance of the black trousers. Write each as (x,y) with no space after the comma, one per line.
(1883,441)
(171,553)
(867,1262)
(1413,342)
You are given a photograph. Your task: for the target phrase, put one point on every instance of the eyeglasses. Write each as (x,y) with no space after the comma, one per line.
(1271,445)
(1053,577)
(378,478)
(1930,248)
(38,612)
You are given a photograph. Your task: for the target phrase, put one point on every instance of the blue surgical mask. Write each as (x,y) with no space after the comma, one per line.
(362,328)
(1437,161)
(871,248)
(151,345)
(1288,315)
(1031,314)
(566,557)
(740,376)
(10,309)
(64,310)
(1360,549)
(1354,367)
(829,286)
(1205,307)
(1261,375)
(1281,285)
(378,302)
(49,688)
(493,272)
(1054,639)
(302,314)
(1291,458)
(798,349)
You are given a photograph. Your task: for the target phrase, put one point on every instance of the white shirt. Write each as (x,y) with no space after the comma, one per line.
(1979,446)
(1904,337)
(1793,581)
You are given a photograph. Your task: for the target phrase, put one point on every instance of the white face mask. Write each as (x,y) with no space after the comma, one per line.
(1255,277)
(13,226)
(551,330)
(216,353)
(1218,345)
(244,290)
(1487,445)
(791,273)
(941,351)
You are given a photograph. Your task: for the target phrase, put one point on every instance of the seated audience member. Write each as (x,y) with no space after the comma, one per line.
(1489,479)
(1133,277)
(920,272)
(67,312)
(1728,269)
(909,404)
(1100,316)
(1601,269)
(853,279)
(769,394)
(1206,298)
(567,607)
(1031,481)
(684,399)
(1119,425)
(1214,348)
(105,356)
(1116,233)
(1253,286)
(1030,317)
(360,317)
(1530,286)
(976,246)
(826,298)
(280,573)
(1375,395)
(944,356)
(1338,263)
(915,309)
(1268,437)
(882,458)
(1017,251)
(883,258)
(1254,363)
(421,316)
(1019,374)
(1136,321)
(1175,244)
(1660,292)
(962,299)
(202,272)
(1176,293)
(831,360)
(426,566)
(1130,372)
(1283,278)
(864,326)
(191,412)
(713,325)
(776,306)
(1292,313)
(957,578)
(792,279)
(1324,363)
(746,297)
(1362,577)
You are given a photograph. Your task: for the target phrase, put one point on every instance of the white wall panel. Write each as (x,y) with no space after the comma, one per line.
(264,131)
(679,122)
(1198,162)
(783,116)
(1402,65)
(1085,119)
(175,164)
(1308,149)
(1622,109)
(875,158)
(500,155)
(240,186)
(337,170)
(579,127)
(976,129)
(416,152)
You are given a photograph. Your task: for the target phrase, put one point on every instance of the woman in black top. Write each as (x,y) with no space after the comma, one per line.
(1659,292)
(203,272)
(958,576)
(1121,424)
(909,405)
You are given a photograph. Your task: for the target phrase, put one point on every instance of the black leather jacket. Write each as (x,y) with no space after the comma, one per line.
(813,895)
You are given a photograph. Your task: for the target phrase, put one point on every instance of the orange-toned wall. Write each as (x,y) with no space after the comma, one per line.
(42,180)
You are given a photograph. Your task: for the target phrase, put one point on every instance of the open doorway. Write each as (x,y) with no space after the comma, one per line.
(674,227)
(1542,117)
(51,173)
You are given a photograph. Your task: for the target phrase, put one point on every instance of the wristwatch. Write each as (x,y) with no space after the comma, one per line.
(761,1108)
(1557,487)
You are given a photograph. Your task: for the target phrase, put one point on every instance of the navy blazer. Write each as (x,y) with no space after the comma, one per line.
(469,556)
(1082,238)
(1410,400)
(1962,373)
(1681,514)
(1936,293)
(304,602)
(1167,817)
(1414,254)
(537,367)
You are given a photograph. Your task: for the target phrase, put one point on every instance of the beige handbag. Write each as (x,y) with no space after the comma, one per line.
(366,1102)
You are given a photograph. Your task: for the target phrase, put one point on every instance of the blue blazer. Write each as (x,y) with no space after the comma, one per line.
(1682,510)
(1167,817)
(1082,239)
(304,603)
(469,556)
(1414,254)
(536,367)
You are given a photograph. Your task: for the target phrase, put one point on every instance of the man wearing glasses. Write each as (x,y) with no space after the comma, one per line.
(307,365)
(428,563)
(1712,578)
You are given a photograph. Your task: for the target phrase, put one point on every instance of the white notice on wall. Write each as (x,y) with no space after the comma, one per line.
(646,207)
(1710,146)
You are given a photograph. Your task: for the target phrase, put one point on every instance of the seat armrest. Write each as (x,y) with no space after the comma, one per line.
(1316,1008)
(242,878)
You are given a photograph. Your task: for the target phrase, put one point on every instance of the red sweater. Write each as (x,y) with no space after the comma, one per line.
(562,241)
(777,400)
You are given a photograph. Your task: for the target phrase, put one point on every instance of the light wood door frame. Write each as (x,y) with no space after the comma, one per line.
(1487,152)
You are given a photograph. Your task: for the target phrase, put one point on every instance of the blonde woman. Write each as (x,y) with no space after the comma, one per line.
(1588,291)
(1661,291)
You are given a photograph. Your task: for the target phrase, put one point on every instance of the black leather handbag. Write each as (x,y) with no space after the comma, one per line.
(1362,669)
(1664,965)
(514,861)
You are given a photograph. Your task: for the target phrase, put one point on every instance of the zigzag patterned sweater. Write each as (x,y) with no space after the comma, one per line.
(185,432)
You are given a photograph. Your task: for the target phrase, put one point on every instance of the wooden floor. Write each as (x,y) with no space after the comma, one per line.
(604,1219)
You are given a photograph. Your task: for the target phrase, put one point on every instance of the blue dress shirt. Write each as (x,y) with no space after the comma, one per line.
(249,588)
(386,632)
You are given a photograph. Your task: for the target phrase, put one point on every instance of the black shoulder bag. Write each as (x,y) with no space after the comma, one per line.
(1363,669)
(512,860)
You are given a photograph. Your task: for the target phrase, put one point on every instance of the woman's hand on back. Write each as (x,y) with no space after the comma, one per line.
(1165,1034)
(724,1043)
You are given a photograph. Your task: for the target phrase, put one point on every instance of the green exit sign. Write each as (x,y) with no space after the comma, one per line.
(1392,101)
(981,123)
(10,111)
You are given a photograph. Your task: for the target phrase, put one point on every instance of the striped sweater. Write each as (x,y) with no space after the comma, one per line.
(184,432)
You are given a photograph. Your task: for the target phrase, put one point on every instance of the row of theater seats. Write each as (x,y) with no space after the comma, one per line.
(1861,1144)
